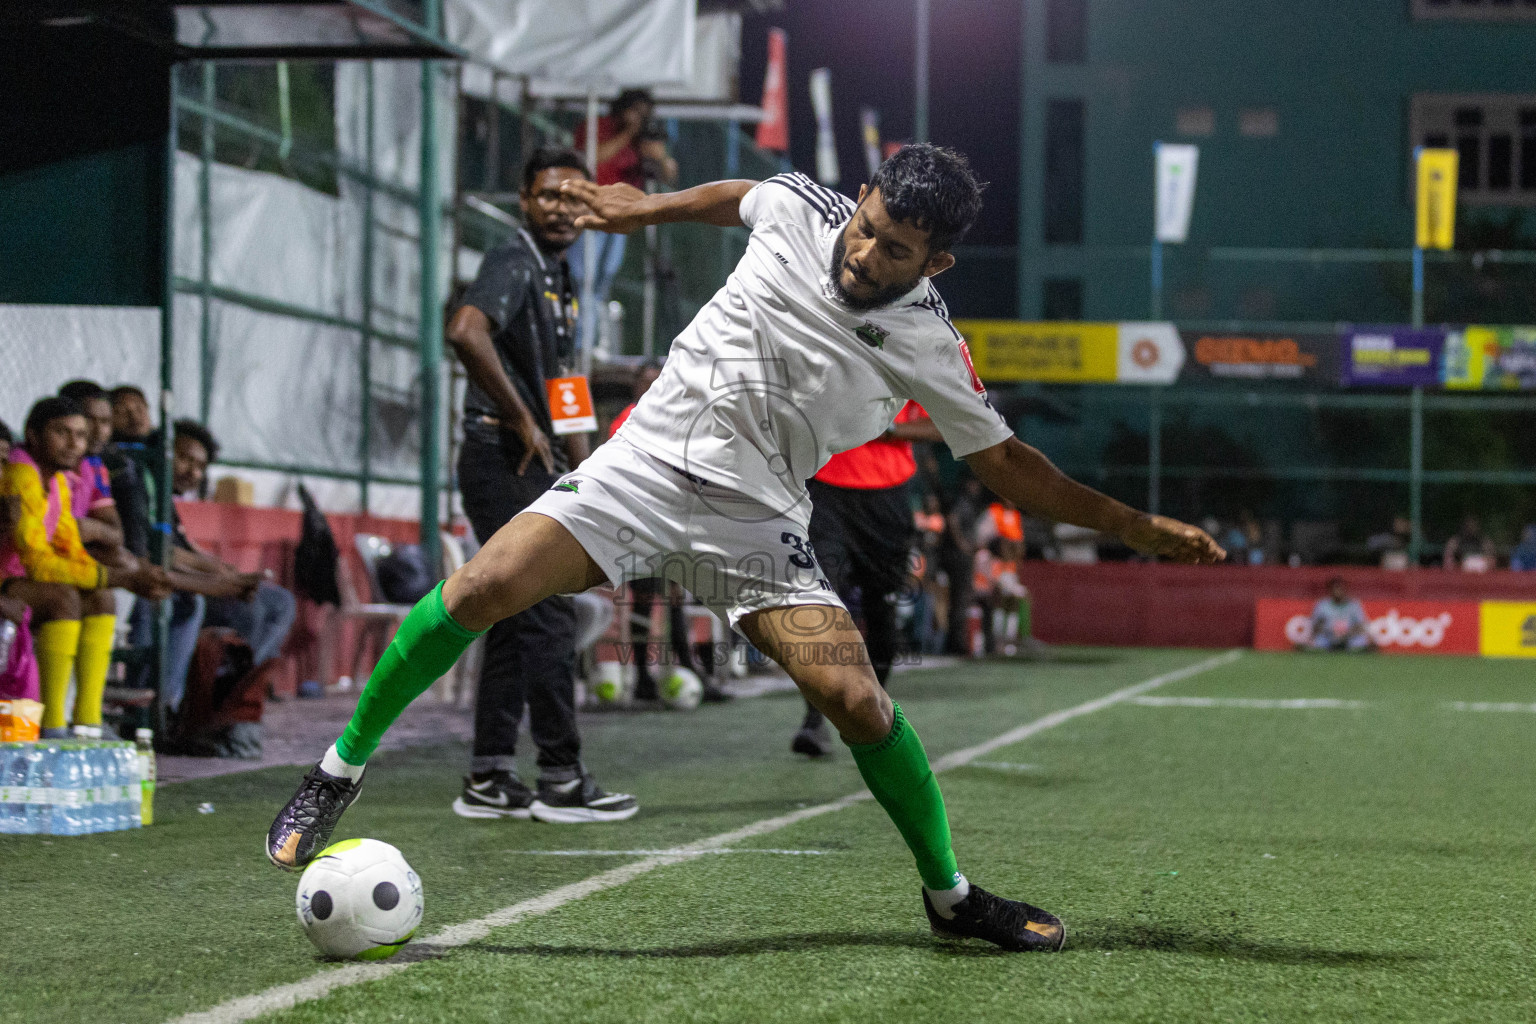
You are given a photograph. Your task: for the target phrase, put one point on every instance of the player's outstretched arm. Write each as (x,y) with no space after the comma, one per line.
(1024,476)
(620,209)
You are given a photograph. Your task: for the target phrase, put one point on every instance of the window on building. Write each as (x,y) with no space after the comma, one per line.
(1061,298)
(1476,10)
(1494,136)
(1062,187)
(1197,122)
(1066,31)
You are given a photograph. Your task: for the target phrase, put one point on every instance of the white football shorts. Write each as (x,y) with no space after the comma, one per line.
(639,517)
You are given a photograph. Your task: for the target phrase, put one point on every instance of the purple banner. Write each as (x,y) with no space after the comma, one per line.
(1392,357)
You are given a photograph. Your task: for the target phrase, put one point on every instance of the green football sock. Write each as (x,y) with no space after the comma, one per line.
(897,772)
(426,646)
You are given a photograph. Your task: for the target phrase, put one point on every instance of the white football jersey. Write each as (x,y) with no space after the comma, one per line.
(775,375)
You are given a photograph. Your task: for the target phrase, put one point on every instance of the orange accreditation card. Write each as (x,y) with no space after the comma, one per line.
(570,405)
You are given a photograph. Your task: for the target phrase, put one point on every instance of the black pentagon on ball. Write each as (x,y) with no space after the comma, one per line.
(386,896)
(320,905)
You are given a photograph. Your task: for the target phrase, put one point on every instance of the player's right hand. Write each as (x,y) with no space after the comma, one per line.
(534,443)
(618,209)
(1171,539)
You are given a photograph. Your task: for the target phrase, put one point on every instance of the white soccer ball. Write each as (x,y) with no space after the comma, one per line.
(681,689)
(359,900)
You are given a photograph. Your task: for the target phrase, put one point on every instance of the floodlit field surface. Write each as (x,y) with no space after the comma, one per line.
(1368,858)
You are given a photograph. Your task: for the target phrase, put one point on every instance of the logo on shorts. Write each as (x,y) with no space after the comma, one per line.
(568,485)
(871,335)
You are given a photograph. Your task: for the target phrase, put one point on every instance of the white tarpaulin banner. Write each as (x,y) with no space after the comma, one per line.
(826,143)
(599,44)
(1176,165)
(45,346)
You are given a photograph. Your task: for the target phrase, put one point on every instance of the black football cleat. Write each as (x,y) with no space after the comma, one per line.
(303,828)
(1007,923)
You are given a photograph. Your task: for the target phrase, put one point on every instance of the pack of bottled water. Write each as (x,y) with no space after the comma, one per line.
(70,788)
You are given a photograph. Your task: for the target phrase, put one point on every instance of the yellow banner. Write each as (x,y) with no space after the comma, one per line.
(1507,629)
(1435,224)
(1063,351)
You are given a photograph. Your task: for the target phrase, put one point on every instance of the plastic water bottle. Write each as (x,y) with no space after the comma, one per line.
(13,776)
(144,740)
(37,822)
(90,781)
(70,777)
(7,641)
(128,771)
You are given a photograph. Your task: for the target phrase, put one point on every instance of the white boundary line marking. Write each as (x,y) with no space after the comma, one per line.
(1273,704)
(283,997)
(663,853)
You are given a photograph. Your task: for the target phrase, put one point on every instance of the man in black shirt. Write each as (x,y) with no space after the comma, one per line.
(515,331)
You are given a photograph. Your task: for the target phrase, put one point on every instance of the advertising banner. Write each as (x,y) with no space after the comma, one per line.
(1392,357)
(1066,351)
(1148,353)
(1435,198)
(773,129)
(1397,627)
(1490,358)
(1508,629)
(1176,165)
(1311,359)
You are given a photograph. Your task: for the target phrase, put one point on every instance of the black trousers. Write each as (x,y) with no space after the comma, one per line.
(530,658)
(863,542)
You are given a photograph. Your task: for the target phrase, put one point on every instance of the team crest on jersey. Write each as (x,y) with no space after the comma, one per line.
(568,485)
(871,335)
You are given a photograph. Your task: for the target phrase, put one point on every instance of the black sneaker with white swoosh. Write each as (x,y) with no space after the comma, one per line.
(498,794)
(581,800)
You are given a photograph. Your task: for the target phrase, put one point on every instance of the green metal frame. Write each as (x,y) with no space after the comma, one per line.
(1415,402)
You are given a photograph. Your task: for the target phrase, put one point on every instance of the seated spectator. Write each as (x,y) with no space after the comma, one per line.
(1392,545)
(1001,520)
(1470,549)
(18,673)
(94,507)
(1003,598)
(48,568)
(249,603)
(1523,557)
(1339,622)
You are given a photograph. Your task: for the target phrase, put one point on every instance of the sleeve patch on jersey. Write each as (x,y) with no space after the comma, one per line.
(965,353)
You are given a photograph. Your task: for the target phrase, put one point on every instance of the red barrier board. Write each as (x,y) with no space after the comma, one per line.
(1397,627)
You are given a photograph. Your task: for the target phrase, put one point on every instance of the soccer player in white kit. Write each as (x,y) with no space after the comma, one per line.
(827,326)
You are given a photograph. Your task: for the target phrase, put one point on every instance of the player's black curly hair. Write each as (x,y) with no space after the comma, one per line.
(545,157)
(46,410)
(930,187)
(202,435)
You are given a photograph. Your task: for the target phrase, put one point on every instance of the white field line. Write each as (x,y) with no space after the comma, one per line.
(1483,705)
(1282,704)
(1005,766)
(664,853)
(282,997)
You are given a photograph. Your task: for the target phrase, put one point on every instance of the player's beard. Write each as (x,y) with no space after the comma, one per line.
(881,297)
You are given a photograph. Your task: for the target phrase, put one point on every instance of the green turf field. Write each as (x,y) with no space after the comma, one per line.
(1369,860)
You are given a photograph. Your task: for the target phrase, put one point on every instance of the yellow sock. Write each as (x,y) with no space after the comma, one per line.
(56,643)
(91,664)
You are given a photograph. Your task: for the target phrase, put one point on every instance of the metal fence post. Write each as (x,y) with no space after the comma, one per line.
(205,232)
(365,349)
(1155,451)
(163,509)
(1416,474)
(430,213)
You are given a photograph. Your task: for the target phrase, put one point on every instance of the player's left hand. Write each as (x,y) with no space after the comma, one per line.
(618,209)
(1171,539)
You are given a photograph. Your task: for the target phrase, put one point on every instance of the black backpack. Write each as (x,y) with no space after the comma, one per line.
(403,574)
(315,559)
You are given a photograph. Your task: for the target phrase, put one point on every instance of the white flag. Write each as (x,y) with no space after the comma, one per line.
(826,144)
(1176,165)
